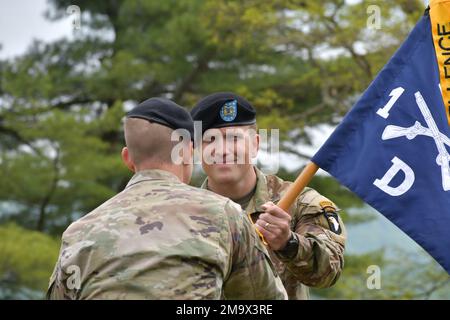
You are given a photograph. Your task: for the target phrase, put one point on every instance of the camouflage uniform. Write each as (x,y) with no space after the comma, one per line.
(320,256)
(162,239)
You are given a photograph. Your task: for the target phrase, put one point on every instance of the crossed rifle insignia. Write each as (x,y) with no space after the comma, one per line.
(440,139)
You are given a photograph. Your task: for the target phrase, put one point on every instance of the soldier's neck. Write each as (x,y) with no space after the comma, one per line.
(235,190)
(176,170)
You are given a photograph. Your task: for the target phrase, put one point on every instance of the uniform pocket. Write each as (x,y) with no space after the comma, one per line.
(263,250)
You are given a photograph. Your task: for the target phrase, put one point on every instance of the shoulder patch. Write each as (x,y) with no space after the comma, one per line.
(333,220)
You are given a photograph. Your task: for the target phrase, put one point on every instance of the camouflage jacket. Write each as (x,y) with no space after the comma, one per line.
(163,239)
(320,256)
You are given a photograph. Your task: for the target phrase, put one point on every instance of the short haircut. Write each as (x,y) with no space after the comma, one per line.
(148,141)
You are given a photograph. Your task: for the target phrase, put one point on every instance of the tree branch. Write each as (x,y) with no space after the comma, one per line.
(201,66)
(293,151)
(47,198)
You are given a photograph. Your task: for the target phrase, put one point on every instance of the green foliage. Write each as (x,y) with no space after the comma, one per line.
(401,277)
(64,168)
(301,63)
(352,283)
(27,259)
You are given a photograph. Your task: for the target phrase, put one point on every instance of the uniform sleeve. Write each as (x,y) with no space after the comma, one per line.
(58,288)
(252,275)
(55,288)
(321,234)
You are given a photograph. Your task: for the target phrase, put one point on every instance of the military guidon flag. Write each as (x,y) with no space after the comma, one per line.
(392,148)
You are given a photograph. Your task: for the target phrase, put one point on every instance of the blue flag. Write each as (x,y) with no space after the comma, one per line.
(391,149)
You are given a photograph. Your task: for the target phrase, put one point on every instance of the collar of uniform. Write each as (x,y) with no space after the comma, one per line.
(261,195)
(205,184)
(153,174)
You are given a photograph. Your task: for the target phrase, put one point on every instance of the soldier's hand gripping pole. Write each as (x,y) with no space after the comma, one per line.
(297,187)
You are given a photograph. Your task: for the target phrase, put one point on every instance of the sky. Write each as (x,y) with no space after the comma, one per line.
(21,21)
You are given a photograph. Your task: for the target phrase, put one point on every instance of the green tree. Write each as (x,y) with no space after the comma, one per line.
(61,170)
(419,278)
(301,63)
(27,259)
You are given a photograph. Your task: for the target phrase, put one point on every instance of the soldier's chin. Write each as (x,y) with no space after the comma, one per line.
(223,165)
(222,168)
(223,173)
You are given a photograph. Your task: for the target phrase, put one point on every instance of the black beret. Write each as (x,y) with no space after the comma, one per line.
(223,109)
(165,112)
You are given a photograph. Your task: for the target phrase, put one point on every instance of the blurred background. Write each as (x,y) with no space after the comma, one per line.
(66,81)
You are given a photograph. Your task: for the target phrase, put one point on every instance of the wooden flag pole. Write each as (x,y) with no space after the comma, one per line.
(297,187)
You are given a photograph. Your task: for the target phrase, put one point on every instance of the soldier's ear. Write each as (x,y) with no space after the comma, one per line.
(188,162)
(188,153)
(254,145)
(127,160)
